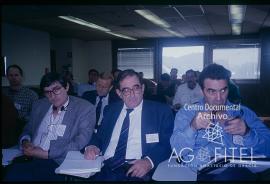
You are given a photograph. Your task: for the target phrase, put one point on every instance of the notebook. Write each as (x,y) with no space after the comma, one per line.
(76,165)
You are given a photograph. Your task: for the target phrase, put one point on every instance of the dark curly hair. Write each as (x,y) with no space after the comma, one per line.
(214,71)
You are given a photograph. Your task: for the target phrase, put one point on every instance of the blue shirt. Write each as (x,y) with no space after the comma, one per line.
(85,87)
(196,147)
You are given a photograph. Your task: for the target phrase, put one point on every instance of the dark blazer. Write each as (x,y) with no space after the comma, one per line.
(92,95)
(156,118)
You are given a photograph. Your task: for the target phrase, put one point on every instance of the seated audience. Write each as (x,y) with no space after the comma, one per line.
(215,127)
(21,96)
(134,134)
(149,87)
(91,85)
(187,93)
(59,123)
(183,79)
(165,90)
(10,126)
(102,96)
(174,81)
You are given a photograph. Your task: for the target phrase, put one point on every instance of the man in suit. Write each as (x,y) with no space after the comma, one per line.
(59,123)
(134,134)
(102,96)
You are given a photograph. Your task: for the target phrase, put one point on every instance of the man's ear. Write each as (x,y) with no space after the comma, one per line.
(67,87)
(143,88)
(119,93)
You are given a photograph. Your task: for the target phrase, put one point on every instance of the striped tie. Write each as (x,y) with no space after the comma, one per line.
(120,152)
(98,110)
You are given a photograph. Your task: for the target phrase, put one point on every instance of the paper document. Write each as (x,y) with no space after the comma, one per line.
(9,154)
(75,164)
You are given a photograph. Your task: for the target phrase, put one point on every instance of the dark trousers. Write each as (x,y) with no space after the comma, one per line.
(34,170)
(229,174)
(107,174)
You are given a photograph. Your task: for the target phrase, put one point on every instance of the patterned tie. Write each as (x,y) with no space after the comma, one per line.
(98,110)
(120,151)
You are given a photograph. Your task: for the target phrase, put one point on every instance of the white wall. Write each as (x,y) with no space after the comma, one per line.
(92,54)
(30,49)
(61,46)
(79,60)
(100,54)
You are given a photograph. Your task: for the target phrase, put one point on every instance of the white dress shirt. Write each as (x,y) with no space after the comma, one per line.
(185,95)
(49,129)
(134,144)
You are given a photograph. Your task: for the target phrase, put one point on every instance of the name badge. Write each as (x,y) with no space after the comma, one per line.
(152,138)
(60,130)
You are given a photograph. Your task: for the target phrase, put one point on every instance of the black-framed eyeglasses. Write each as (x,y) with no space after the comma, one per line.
(127,91)
(56,91)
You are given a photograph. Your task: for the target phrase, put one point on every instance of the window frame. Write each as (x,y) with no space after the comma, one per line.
(246,43)
(184,45)
(141,48)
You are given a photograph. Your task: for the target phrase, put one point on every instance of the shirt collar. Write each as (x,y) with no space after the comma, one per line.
(65,104)
(136,109)
(104,97)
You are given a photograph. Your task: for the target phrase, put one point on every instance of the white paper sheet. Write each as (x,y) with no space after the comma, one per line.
(9,154)
(75,164)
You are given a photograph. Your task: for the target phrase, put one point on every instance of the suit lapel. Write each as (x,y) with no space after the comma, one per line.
(69,113)
(41,114)
(112,121)
(146,117)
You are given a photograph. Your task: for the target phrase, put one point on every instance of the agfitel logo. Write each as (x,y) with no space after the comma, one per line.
(213,134)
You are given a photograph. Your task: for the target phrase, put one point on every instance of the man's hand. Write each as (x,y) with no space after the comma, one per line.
(236,127)
(91,152)
(139,168)
(26,144)
(36,152)
(200,121)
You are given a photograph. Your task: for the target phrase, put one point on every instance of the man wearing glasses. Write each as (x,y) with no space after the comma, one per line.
(59,123)
(134,134)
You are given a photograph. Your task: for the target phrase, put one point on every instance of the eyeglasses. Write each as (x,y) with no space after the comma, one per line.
(127,91)
(56,91)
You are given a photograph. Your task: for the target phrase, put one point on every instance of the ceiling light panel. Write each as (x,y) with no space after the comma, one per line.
(147,14)
(237,13)
(84,23)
